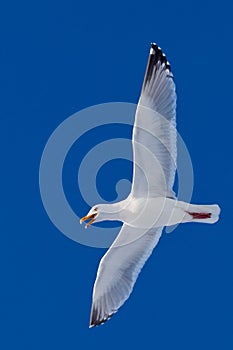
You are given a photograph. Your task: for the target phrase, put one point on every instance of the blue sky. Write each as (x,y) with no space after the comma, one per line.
(60,57)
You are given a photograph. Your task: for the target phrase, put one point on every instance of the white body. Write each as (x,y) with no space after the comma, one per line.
(159,211)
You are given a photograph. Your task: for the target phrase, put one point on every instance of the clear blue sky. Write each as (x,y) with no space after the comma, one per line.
(57,58)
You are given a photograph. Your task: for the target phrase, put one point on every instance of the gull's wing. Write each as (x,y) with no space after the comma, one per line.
(119,269)
(154,133)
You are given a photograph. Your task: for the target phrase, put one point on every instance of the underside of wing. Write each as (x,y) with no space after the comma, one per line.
(119,269)
(154,134)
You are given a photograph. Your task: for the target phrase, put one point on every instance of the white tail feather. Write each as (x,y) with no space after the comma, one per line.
(213,210)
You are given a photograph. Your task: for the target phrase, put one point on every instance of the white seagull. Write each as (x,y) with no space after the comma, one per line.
(152,204)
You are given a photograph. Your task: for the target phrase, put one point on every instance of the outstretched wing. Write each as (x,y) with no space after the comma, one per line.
(154,133)
(119,269)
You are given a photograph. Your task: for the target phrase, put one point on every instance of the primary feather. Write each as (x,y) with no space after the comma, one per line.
(118,271)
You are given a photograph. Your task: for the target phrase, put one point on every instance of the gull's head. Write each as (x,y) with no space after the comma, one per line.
(102,212)
(91,216)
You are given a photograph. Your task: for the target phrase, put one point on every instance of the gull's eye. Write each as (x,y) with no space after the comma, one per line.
(95,208)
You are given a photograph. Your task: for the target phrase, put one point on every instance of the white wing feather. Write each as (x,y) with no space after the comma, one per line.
(155,130)
(118,271)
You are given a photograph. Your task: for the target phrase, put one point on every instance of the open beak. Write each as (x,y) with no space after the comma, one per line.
(88,217)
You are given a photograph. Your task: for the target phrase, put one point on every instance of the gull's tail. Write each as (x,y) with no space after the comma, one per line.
(203,213)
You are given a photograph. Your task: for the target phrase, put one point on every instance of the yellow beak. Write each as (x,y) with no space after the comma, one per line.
(88,217)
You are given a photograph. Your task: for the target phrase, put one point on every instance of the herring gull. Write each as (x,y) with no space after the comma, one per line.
(152,203)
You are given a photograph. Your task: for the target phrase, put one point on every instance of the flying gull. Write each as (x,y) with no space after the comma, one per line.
(152,203)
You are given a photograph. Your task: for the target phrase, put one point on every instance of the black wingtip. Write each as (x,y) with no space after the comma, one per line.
(154,46)
(96,321)
(160,56)
(156,55)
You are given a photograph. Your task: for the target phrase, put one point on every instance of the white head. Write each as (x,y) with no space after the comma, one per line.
(102,212)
